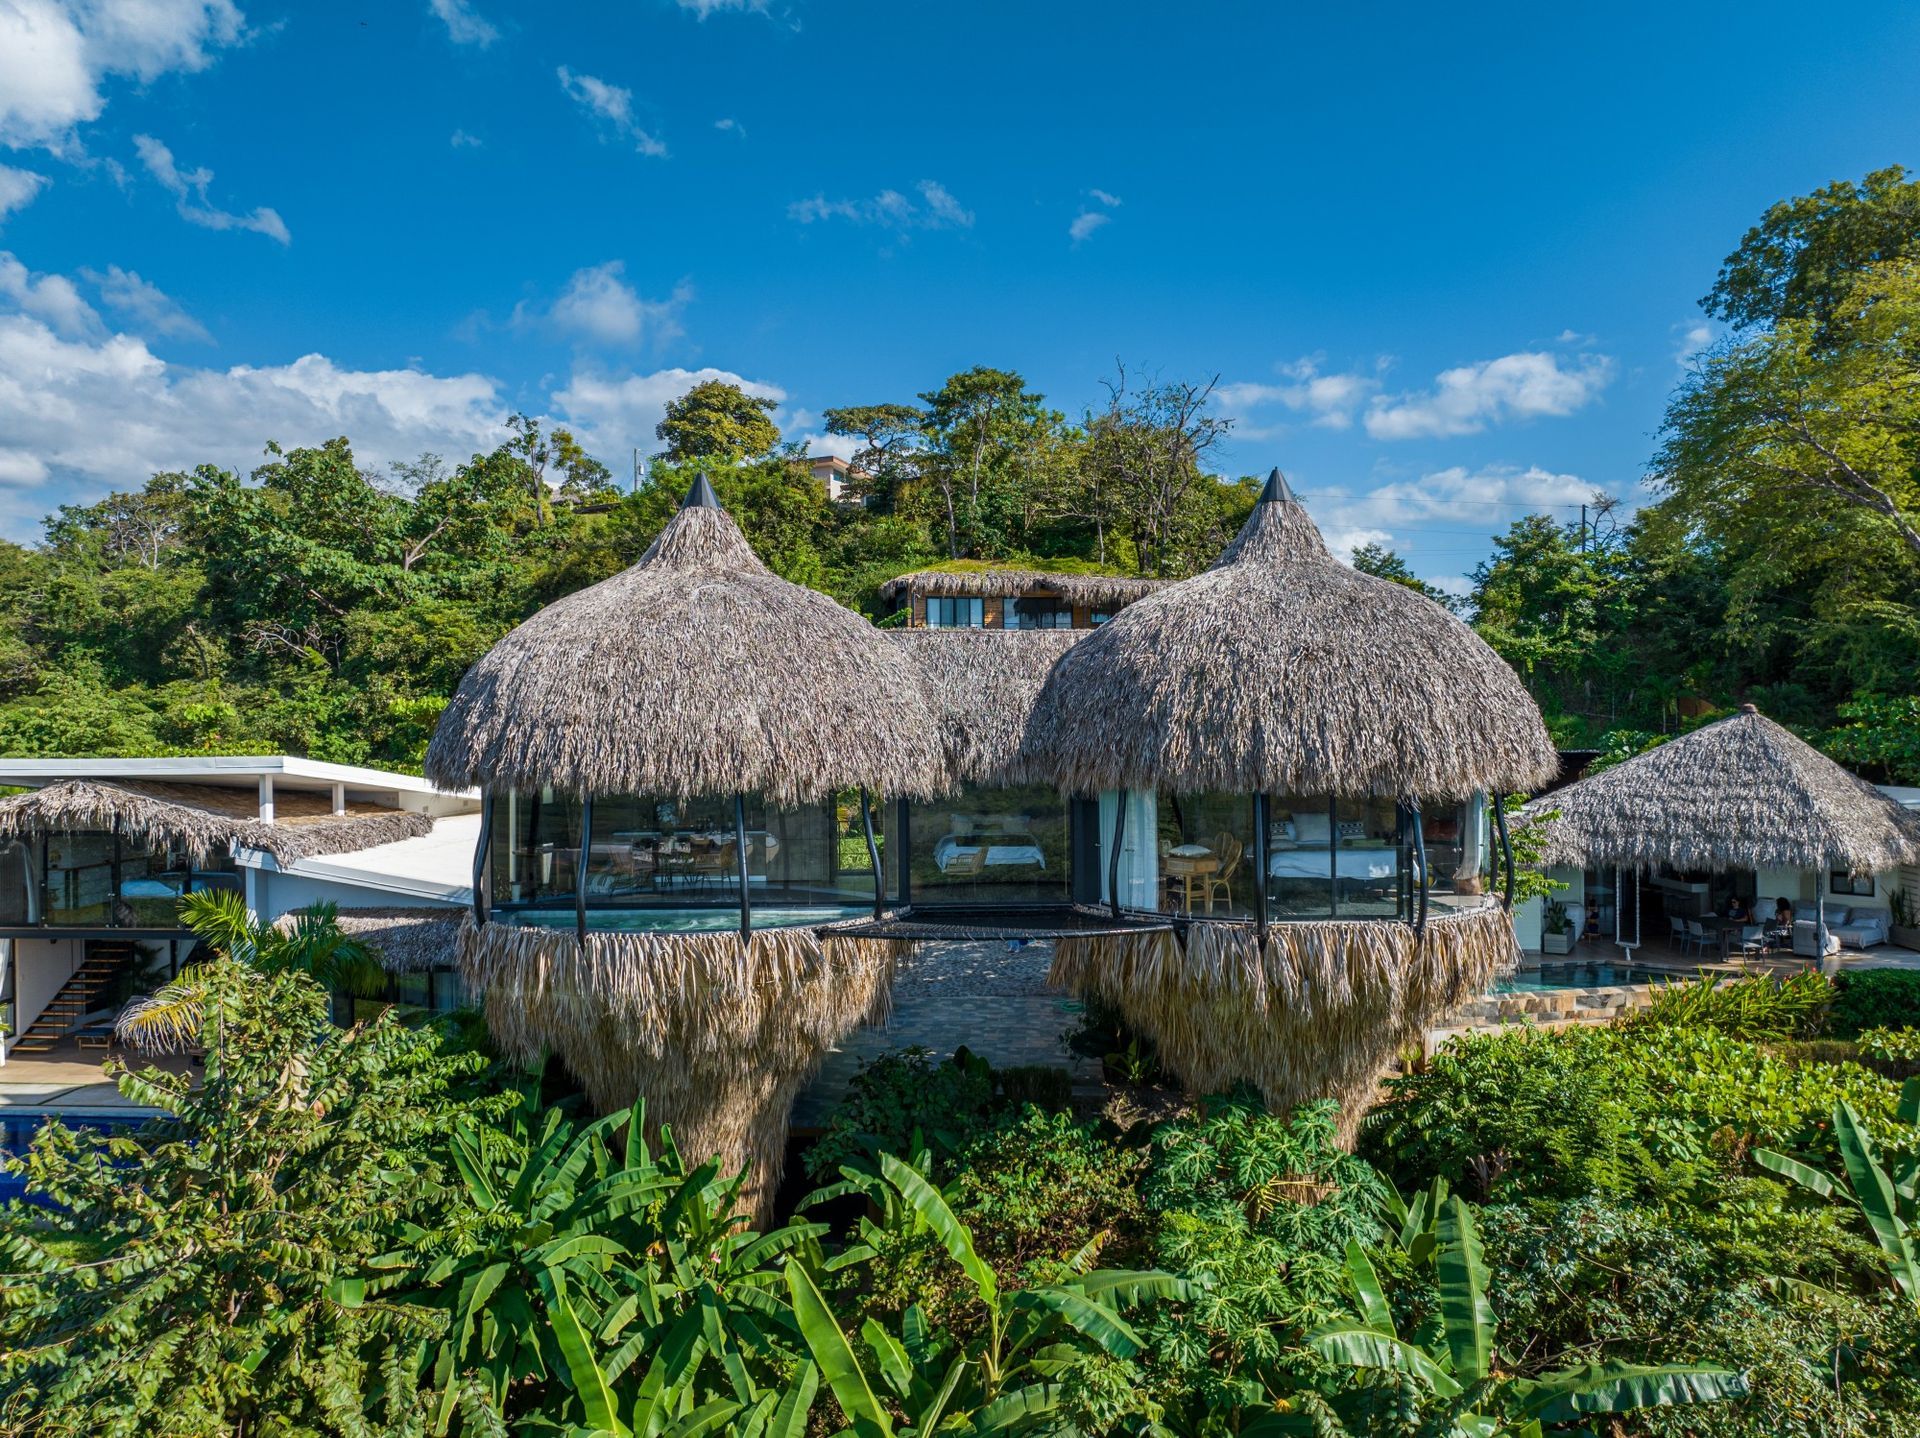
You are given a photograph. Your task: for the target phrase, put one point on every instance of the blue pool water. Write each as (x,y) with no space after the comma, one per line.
(718,920)
(18,1126)
(1578,976)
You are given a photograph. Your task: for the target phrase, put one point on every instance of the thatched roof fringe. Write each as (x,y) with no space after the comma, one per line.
(718,1036)
(204,820)
(1318,1012)
(1740,793)
(989,583)
(697,671)
(403,940)
(981,685)
(1281,670)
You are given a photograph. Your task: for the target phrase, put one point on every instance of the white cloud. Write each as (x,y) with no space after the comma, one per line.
(1111,201)
(189,190)
(1690,339)
(461,140)
(150,309)
(619,412)
(78,417)
(936,209)
(17,189)
(1457,501)
(600,306)
(731,126)
(465,25)
(1085,223)
(1467,399)
(51,298)
(1329,401)
(54,55)
(704,8)
(612,104)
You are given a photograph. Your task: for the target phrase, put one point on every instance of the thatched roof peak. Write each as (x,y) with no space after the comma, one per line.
(696,671)
(1282,670)
(1740,793)
(700,494)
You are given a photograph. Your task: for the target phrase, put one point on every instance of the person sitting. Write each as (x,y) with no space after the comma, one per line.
(1780,924)
(1737,910)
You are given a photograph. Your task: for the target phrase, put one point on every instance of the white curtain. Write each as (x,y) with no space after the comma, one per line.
(1139,848)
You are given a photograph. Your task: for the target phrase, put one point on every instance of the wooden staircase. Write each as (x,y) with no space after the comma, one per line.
(79,996)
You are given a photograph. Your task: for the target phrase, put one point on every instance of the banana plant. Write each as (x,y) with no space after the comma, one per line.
(1460,1370)
(1005,1381)
(649,1260)
(1884,1193)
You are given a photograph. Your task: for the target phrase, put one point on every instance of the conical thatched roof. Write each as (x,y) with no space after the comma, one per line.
(1282,670)
(1741,793)
(697,671)
(982,685)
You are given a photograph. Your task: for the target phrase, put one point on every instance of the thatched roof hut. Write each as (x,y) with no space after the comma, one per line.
(1281,670)
(982,685)
(1740,793)
(697,671)
(986,581)
(203,820)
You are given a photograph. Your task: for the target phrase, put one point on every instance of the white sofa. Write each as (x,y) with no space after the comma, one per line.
(1854,928)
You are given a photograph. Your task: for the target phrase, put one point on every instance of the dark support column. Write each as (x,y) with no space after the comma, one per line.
(740,847)
(580,869)
(873,854)
(1506,847)
(113,883)
(1260,827)
(1421,876)
(1113,859)
(483,859)
(902,848)
(1333,858)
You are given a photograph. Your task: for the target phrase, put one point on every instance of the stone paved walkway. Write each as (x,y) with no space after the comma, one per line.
(990,995)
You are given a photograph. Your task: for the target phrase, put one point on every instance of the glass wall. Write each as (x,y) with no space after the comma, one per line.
(948,613)
(1204,845)
(100,880)
(1037,612)
(652,853)
(984,846)
(16,863)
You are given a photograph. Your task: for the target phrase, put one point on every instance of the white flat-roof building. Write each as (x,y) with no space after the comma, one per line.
(95,855)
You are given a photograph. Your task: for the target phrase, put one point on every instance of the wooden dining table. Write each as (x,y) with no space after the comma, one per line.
(1189,868)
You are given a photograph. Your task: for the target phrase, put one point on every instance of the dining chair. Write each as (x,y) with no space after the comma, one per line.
(1229,850)
(1697,936)
(1676,933)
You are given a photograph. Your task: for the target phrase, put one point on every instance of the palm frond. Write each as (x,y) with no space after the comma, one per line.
(167,1021)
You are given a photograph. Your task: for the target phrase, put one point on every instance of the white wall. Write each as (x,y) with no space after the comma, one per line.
(1526,924)
(278,894)
(1879,899)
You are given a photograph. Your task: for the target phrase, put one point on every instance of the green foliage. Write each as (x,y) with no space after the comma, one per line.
(1646,1111)
(903,1102)
(1875,999)
(718,421)
(234,1244)
(1881,734)
(1751,1008)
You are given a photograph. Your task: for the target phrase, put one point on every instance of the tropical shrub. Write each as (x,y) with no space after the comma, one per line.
(902,1102)
(1875,999)
(1647,1110)
(1752,1008)
(218,1270)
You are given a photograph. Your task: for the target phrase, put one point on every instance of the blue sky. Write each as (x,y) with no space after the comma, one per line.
(1444,259)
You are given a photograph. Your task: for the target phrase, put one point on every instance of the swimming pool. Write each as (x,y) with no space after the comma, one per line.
(18,1126)
(1581,975)
(717,920)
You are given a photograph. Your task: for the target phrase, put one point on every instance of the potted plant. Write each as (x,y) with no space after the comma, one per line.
(1905,930)
(1556,925)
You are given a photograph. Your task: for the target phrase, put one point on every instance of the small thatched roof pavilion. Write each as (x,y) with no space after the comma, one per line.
(696,673)
(988,580)
(204,820)
(1282,672)
(1740,793)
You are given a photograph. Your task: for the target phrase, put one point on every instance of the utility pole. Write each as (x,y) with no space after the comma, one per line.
(1583,529)
(636,469)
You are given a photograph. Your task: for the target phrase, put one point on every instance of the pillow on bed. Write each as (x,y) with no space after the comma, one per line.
(1311,828)
(1351,829)
(1837,916)
(960,824)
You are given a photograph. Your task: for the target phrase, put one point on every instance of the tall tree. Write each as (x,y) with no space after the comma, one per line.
(1146,458)
(887,462)
(988,437)
(1383,563)
(717,421)
(1802,258)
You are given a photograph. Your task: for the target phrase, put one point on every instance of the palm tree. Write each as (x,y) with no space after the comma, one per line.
(312,943)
